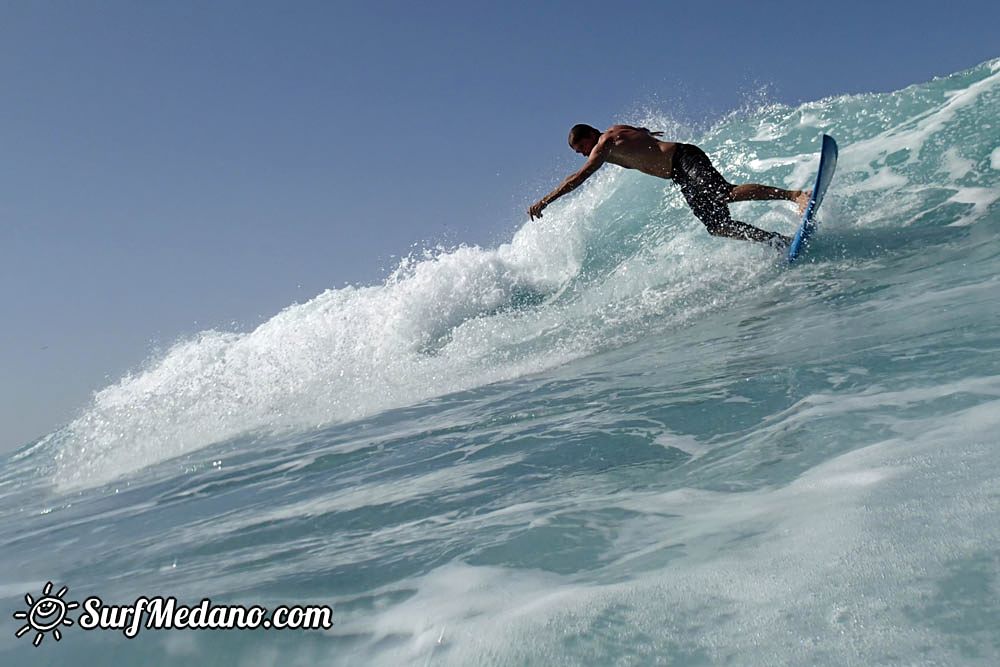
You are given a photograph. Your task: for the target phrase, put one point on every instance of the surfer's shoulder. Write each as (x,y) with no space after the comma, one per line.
(632,128)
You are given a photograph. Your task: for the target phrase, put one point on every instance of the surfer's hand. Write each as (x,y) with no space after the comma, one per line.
(536,210)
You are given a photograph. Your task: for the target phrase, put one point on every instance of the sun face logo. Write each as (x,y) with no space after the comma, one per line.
(45,614)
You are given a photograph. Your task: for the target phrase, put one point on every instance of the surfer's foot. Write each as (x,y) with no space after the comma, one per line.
(802,200)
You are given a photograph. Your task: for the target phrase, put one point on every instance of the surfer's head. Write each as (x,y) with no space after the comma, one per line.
(583,138)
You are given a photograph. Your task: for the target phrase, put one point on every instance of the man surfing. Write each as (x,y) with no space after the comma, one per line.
(706,191)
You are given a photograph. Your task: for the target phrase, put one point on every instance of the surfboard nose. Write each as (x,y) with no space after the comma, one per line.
(827,166)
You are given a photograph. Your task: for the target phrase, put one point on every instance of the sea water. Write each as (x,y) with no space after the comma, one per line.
(614,440)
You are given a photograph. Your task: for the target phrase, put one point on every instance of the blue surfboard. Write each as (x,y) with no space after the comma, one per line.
(827,165)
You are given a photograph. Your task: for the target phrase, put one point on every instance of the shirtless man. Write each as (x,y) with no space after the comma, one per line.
(706,191)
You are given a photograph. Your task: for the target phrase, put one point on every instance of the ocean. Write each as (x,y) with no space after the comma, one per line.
(612,440)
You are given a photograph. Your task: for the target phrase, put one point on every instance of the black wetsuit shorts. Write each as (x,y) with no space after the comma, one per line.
(704,188)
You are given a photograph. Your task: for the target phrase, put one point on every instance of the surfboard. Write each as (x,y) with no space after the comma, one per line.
(827,165)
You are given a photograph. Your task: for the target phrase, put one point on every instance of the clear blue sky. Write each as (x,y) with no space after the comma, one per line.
(169,167)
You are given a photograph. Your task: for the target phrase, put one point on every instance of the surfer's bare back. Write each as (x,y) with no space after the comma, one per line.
(707,192)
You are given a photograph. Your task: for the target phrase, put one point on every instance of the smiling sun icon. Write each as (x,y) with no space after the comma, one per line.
(45,614)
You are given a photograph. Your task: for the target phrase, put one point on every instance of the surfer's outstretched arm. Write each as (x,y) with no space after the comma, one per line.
(597,157)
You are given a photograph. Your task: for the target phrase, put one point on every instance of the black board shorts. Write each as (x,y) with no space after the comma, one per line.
(704,188)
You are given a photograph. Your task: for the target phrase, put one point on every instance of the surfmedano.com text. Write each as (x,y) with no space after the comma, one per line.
(159,613)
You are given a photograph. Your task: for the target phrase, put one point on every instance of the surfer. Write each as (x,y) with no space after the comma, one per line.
(706,191)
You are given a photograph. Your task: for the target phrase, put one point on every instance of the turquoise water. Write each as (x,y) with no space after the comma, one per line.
(613,440)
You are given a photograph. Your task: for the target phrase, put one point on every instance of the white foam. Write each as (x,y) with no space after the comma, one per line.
(883,180)
(911,135)
(980,198)
(685,443)
(956,165)
(768,132)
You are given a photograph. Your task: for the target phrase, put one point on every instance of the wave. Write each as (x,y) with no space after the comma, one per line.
(619,260)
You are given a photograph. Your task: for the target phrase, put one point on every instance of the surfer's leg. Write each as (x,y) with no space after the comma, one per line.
(714,214)
(708,194)
(756,192)
(735,229)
